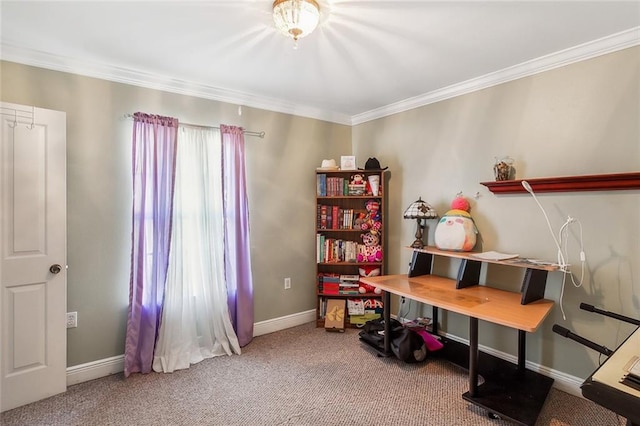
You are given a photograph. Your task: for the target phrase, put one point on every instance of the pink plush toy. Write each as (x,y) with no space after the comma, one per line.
(371,249)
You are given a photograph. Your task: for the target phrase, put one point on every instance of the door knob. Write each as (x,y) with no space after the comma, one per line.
(55,269)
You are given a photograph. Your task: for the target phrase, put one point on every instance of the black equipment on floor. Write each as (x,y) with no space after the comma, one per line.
(615,384)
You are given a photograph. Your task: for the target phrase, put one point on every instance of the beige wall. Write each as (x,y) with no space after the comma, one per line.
(579,119)
(280,172)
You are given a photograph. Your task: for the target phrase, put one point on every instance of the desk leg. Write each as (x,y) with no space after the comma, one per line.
(522,350)
(507,392)
(386,313)
(473,356)
(434,320)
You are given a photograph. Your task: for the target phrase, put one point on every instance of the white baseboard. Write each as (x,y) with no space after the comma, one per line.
(105,367)
(115,364)
(95,369)
(277,324)
(561,381)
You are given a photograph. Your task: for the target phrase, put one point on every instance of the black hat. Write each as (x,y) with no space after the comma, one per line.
(373,164)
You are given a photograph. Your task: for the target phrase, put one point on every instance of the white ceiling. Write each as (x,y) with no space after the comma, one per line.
(367,59)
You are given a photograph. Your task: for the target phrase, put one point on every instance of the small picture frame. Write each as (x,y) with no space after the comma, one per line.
(348,162)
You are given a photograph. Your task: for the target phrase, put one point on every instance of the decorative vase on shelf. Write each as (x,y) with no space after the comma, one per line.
(503,169)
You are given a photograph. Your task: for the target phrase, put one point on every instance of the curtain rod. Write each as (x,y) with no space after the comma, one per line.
(200,126)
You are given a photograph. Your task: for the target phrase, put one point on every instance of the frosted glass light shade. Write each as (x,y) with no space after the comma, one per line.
(296,18)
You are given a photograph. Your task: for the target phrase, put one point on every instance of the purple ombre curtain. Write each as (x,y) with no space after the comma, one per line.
(153,161)
(236,242)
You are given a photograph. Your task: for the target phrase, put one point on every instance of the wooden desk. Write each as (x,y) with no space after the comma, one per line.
(533,284)
(481,302)
(509,391)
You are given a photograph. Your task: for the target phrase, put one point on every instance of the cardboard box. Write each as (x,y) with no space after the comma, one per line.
(334,318)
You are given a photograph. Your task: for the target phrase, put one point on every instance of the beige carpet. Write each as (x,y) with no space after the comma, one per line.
(300,376)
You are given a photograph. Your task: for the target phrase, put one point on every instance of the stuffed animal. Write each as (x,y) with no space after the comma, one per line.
(360,220)
(456,230)
(373,210)
(372,220)
(371,249)
(368,271)
(357,179)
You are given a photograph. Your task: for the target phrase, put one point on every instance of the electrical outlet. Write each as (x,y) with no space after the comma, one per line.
(287,283)
(72,319)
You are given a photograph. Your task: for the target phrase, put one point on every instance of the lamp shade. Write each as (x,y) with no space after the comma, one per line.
(296,18)
(420,210)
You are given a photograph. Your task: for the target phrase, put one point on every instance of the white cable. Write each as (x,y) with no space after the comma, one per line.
(563,235)
(561,261)
(562,255)
(564,278)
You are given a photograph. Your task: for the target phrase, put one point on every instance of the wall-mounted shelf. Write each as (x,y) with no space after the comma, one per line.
(606,182)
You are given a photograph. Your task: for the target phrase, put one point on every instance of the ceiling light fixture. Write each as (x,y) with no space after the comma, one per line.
(296,18)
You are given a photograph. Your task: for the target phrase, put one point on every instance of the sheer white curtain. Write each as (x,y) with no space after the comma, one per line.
(195,318)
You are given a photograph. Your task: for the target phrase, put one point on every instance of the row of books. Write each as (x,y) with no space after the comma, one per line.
(339,186)
(329,250)
(334,217)
(327,186)
(331,186)
(339,284)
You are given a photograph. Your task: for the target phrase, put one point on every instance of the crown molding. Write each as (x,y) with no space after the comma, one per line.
(11,53)
(609,44)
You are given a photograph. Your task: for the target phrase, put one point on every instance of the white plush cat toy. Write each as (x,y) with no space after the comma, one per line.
(456,230)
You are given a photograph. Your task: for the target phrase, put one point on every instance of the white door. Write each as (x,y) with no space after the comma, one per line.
(33,238)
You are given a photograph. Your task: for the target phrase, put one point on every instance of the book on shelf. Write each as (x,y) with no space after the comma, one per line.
(347,219)
(323,212)
(335,186)
(351,277)
(328,283)
(494,255)
(320,248)
(335,250)
(331,288)
(355,306)
(321,185)
(334,217)
(349,288)
(331,278)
